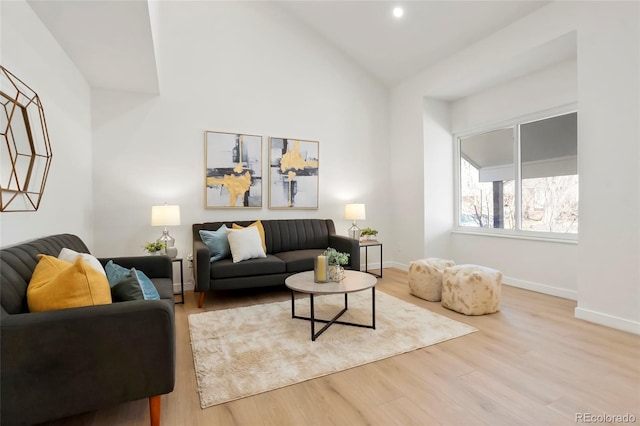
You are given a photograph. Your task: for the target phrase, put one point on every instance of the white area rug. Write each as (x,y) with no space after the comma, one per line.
(245,351)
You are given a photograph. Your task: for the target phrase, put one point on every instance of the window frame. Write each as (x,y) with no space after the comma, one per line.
(518,233)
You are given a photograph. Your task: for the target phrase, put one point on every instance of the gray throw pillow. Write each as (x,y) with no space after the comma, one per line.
(128,288)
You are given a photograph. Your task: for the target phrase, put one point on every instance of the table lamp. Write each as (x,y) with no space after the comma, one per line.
(354,212)
(166,215)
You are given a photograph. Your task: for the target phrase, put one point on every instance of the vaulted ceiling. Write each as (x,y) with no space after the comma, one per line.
(111,42)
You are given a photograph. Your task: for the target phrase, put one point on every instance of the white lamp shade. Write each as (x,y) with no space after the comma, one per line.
(165,215)
(354,212)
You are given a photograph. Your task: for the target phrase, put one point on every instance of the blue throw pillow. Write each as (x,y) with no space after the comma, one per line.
(116,273)
(217,242)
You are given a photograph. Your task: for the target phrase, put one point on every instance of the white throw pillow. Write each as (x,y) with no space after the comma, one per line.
(69,255)
(245,244)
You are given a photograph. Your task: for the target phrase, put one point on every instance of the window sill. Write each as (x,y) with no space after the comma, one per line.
(550,238)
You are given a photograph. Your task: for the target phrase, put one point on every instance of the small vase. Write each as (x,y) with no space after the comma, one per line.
(336,273)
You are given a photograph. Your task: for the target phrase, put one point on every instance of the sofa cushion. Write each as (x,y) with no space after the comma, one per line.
(299,260)
(57,284)
(297,234)
(261,266)
(217,242)
(164,286)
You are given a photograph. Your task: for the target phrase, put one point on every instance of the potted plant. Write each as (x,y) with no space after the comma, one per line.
(336,259)
(154,247)
(368,234)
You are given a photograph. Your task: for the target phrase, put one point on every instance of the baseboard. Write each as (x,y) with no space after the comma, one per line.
(607,320)
(399,265)
(514,282)
(188,285)
(376,265)
(541,288)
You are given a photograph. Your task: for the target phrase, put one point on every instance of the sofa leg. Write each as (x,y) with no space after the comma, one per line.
(154,409)
(201,299)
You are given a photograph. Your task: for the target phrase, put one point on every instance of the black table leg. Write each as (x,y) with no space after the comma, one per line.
(334,320)
(373,307)
(313,321)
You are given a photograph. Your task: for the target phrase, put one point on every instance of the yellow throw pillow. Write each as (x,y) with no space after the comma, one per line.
(56,284)
(258,225)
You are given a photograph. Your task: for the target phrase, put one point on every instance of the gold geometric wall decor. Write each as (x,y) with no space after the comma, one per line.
(25,150)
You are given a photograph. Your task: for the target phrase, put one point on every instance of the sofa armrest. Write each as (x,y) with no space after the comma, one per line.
(68,361)
(201,265)
(152,266)
(347,245)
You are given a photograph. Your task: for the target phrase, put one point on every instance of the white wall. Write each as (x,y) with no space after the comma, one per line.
(609,148)
(235,67)
(406,160)
(438,196)
(548,88)
(30,52)
(605,273)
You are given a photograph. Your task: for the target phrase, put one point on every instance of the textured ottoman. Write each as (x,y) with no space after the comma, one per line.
(471,289)
(425,277)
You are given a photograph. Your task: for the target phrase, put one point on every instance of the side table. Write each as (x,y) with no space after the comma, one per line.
(179,259)
(366,245)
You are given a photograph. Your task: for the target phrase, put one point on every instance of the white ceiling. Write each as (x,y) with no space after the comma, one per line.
(393,49)
(111,41)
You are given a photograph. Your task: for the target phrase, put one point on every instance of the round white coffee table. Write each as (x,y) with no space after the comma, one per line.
(353,281)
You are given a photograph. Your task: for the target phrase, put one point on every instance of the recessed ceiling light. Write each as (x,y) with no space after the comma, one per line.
(398,12)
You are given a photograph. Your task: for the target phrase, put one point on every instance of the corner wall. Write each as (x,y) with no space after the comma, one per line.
(30,52)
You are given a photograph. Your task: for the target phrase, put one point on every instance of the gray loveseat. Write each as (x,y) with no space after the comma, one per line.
(291,244)
(64,362)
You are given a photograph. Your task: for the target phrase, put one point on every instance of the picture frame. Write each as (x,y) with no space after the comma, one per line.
(294,166)
(233,170)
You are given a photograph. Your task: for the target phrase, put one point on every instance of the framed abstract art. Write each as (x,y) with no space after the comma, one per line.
(233,170)
(293,173)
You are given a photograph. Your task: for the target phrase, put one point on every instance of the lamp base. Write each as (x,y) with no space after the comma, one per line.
(169,242)
(354,232)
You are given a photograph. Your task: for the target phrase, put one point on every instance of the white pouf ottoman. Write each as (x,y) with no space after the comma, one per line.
(471,289)
(425,277)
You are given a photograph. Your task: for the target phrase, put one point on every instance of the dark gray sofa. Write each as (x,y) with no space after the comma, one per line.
(59,363)
(291,244)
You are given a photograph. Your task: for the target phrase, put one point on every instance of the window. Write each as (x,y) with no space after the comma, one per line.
(487,180)
(522,177)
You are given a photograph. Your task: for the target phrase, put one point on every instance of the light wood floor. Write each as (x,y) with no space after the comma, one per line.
(532,363)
